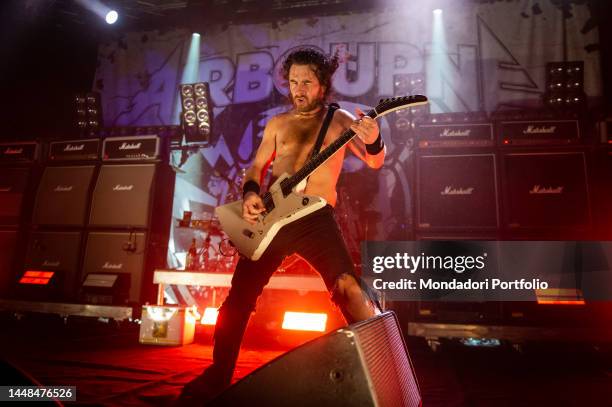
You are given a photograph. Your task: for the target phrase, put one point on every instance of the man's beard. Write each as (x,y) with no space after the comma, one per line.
(307,105)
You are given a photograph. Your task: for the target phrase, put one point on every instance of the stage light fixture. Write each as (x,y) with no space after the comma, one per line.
(111,17)
(304,321)
(88,113)
(210,316)
(404,85)
(565,84)
(196,110)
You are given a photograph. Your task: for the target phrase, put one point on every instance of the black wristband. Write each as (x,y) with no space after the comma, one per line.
(376,147)
(250,186)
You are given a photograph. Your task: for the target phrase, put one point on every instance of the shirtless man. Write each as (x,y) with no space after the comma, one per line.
(288,141)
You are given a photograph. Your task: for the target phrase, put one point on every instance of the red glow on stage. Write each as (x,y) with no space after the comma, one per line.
(561,302)
(560,296)
(36,277)
(304,321)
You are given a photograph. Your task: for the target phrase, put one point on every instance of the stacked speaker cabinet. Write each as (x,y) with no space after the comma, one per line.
(602,191)
(19,170)
(59,217)
(130,214)
(545,179)
(456,180)
(364,364)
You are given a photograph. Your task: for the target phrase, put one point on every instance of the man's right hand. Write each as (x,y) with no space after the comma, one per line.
(252,206)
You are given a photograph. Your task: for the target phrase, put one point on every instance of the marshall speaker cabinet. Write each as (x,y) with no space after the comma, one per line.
(57,252)
(130,214)
(8,246)
(63,195)
(545,190)
(123,195)
(117,253)
(456,191)
(17,176)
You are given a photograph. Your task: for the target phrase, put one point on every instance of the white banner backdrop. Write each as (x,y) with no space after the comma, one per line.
(482,57)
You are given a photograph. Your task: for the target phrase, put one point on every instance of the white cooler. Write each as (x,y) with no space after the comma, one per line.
(167,324)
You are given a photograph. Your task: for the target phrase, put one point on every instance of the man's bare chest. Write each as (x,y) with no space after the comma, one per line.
(297,139)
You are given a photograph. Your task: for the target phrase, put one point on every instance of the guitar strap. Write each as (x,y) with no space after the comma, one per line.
(330,113)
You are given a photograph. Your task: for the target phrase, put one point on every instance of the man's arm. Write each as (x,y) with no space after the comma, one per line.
(252,204)
(368,133)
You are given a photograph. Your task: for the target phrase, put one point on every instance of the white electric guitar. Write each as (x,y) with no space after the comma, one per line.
(283,204)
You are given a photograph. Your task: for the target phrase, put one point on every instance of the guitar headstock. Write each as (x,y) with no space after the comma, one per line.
(386,106)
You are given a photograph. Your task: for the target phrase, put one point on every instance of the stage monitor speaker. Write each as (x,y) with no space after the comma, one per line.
(8,245)
(456,192)
(58,252)
(13,187)
(63,195)
(546,190)
(364,364)
(117,252)
(123,196)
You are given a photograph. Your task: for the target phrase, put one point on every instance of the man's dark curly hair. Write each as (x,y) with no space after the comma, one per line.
(323,65)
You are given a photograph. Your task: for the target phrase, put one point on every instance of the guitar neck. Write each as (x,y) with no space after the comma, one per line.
(314,162)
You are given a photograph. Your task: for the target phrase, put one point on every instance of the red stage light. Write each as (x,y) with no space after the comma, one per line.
(304,321)
(36,277)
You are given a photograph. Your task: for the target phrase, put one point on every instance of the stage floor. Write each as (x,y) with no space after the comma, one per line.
(109,367)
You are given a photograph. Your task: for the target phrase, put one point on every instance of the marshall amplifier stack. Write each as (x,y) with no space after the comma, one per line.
(59,218)
(511,177)
(130,213)
(544,177)
(456,184)
(19,170)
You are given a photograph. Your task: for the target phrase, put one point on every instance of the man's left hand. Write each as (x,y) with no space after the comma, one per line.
(365,127)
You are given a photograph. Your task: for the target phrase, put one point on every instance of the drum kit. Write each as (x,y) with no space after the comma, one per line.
(216,254)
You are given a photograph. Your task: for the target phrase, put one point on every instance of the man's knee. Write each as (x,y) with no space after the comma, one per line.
(346,289)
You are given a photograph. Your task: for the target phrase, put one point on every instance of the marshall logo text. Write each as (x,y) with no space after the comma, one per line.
(457,191)
(13,151)
(70,147)
(540,130)
(63,188)
(130,146)
(546,190)
(112,266)
(456,133)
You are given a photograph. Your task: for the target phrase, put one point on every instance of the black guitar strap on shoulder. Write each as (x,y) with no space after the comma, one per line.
(330,113)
